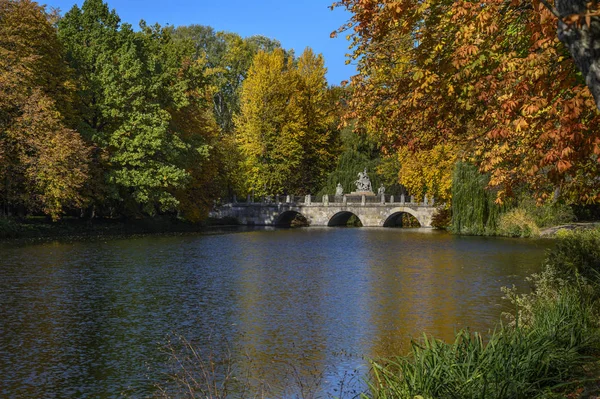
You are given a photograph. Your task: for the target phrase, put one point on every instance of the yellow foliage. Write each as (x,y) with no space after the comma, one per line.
(428,171)
(284,127)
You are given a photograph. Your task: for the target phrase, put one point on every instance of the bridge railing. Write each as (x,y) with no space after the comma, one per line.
(374,199)
(336,200)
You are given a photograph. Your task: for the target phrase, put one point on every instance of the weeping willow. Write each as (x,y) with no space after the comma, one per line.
(349,164)
(358,152)
(473,208)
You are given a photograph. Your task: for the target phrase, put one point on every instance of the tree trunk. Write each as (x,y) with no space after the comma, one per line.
(583,42)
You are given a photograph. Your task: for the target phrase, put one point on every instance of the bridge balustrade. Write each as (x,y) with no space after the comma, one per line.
(334,200)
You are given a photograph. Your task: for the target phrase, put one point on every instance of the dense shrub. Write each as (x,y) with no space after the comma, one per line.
(517,223)
(526,219)
(577,252)
(548,214)
(441,219)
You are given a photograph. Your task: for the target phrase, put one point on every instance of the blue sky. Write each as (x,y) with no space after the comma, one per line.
(295,23)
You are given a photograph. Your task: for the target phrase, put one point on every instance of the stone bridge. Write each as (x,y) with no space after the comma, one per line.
(372,211)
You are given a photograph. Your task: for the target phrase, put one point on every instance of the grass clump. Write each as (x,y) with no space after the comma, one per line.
(516,362)
(544,351)
(528,217)
(576,257)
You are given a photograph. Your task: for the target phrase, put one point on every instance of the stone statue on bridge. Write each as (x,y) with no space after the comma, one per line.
(381,191)
(339,190)
(363,183)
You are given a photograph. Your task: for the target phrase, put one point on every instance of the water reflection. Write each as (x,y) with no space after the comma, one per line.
(90,318)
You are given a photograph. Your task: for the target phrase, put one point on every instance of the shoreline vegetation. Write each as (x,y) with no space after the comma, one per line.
(552,231)
(40,228)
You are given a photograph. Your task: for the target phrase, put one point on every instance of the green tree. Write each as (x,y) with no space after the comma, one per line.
(90,35)
(229,57)
(131,85)
(474,210)
(263,43)
(145,153)
(358,151)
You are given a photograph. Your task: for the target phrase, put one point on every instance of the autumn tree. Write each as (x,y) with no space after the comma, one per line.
(269,125)
(427,172)
(320,132)
(43,164)
(490,81)
(286,127)
(227,57)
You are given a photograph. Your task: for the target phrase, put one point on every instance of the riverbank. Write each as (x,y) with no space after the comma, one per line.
(39,227)
(550,232)
(42,228)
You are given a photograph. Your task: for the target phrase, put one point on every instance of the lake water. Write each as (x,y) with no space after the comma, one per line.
(297,308)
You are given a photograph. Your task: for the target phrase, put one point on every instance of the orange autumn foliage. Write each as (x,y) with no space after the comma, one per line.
(43,163)
(489,78)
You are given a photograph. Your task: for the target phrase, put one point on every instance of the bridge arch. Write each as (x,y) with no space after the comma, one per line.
(395,219)
(286,218)
(341,219)
(391,219)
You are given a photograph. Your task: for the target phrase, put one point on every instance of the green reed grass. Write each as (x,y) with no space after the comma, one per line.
(515,362)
